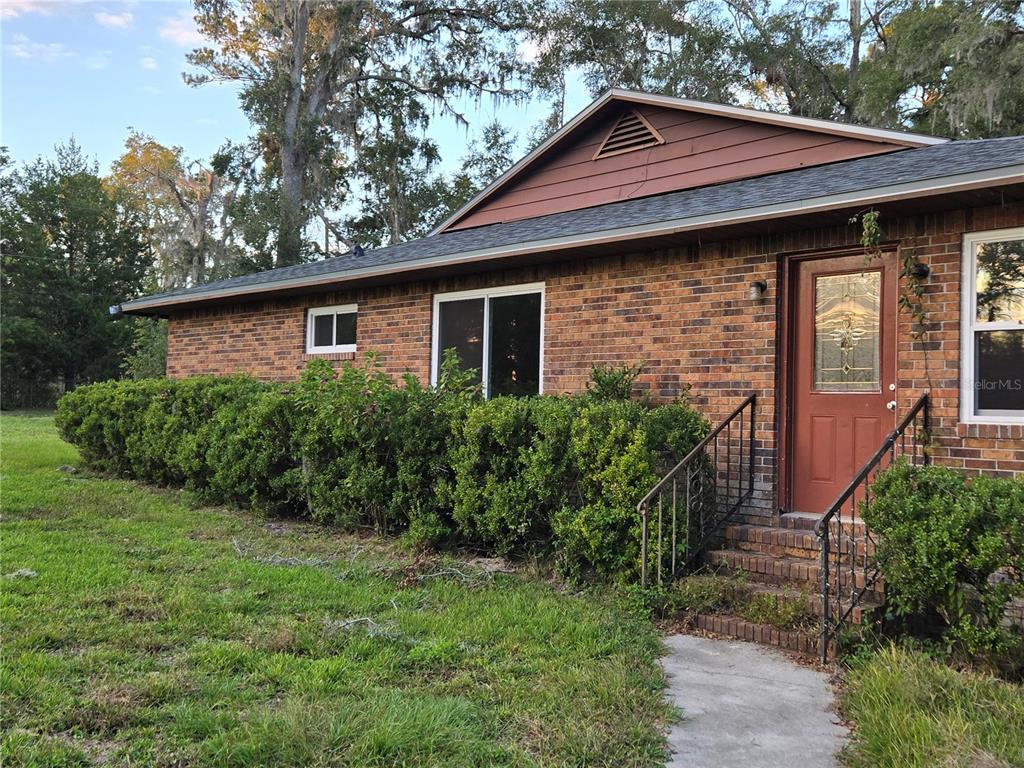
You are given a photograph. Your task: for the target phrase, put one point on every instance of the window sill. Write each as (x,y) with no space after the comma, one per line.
(328,356)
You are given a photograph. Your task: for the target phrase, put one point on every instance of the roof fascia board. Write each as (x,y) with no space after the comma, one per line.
(947,185)
(865,133)
(849,130)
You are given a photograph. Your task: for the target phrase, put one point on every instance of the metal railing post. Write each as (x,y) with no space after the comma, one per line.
(643,545)
(826,605)
(867,474)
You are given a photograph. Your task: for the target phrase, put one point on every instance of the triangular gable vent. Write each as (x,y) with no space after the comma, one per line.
(631,132)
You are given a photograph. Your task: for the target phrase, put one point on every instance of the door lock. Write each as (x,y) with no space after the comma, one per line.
(891,405)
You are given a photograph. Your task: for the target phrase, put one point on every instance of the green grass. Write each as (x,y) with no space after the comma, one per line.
(913,712)
(705,593)
(153,633)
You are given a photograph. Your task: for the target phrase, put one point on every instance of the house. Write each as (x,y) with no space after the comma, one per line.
(715,244)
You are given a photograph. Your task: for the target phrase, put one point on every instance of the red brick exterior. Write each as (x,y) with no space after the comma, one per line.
(684,312)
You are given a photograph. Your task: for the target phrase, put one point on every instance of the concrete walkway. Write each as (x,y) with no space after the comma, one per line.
(746,706)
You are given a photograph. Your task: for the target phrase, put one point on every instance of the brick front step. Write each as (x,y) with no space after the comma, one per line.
(801,521)
(773,569)
(811,601)
(788,542)
(733,626)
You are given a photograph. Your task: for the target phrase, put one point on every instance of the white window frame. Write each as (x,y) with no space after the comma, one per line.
(338,309)
(969,325)
(487,294)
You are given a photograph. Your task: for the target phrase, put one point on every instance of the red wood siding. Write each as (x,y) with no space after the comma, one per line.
(698,150)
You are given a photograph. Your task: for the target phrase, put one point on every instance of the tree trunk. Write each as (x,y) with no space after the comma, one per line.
(293,156)
(289,236)
(856,33)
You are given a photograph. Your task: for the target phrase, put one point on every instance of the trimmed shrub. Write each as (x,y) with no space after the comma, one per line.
(252,450)
(951,550)
(512,471)
(541,475)
(619,449)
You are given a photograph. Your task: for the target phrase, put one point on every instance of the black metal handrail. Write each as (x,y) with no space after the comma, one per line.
(846,556)
(709,485)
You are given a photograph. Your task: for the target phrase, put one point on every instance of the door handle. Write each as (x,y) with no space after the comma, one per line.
(891,405)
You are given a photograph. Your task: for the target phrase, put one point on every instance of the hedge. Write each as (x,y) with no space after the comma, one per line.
(549,475)
(951,550)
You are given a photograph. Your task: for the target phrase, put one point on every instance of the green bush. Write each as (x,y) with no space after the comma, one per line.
(252,454)
(354,448)
(568,471)
(512,471)
(950,549)
(619,450)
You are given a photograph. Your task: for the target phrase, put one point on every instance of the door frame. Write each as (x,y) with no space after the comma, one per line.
(788,263)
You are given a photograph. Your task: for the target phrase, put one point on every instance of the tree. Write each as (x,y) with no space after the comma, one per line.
(308,68)
(393,180)
(399,194)
(488,157)
(950,68)
(797,57)
(147,356)
(674,47)
(71,248)
(189,208)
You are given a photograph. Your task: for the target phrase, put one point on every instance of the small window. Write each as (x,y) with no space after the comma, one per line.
(497,333)
(992,322)
(331,329)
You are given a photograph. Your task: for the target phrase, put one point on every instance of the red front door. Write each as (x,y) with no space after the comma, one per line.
(842,372)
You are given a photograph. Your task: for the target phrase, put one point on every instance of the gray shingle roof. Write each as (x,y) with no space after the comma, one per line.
(864,174)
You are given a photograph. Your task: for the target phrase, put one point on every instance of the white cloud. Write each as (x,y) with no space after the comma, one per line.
(97,60)
(181,29)
(148,62)
(22,47)
(12,9)
(114,20)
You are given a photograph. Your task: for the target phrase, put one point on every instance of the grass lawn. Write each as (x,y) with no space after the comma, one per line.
(913,712)
(138,630)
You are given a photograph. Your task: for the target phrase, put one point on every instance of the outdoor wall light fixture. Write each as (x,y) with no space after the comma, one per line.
(920,271)
(757,289)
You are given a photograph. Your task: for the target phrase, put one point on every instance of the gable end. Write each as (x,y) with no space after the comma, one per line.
(593,158)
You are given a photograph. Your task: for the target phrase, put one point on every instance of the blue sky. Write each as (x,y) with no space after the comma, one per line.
(93,69)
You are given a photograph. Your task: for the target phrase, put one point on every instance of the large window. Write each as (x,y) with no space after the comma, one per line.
(992,354)
(498,333)
(331,329)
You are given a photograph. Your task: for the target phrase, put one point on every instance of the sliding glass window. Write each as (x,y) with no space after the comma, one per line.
(497,333)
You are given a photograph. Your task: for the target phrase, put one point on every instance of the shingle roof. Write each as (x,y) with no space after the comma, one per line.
(859,175)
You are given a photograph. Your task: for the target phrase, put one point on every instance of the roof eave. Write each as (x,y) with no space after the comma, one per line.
(929,187)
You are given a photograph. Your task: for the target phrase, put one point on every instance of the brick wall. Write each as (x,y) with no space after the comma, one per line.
(684,312)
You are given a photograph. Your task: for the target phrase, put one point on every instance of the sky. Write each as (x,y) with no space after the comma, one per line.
(92,70)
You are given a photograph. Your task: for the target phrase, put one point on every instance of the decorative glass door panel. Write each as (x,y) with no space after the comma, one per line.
(846,332)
